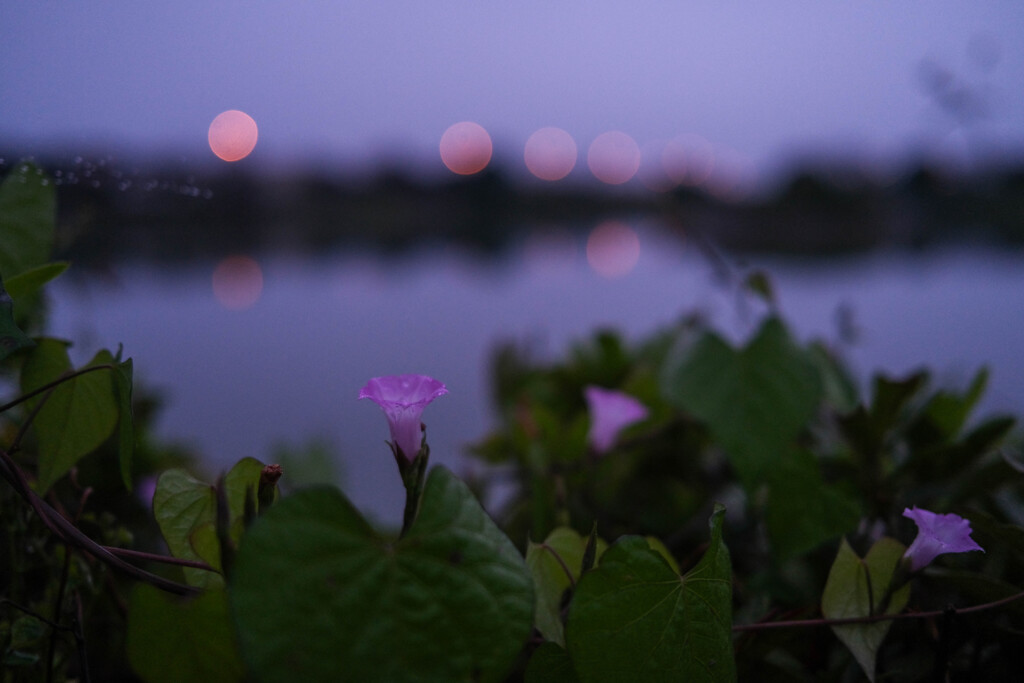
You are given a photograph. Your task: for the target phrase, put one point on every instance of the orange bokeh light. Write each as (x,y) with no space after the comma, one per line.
(550,153)
(466,148)
(232,135)
(613,157)
(613,249)
(237,282)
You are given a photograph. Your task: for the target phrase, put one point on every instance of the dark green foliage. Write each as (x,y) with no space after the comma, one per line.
(319,595)
(303,588)
(633,618)
(779,430)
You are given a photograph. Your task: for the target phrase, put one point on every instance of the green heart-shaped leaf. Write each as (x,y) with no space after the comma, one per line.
(186,510)
(755,399)
(857,588)
(635,619)
(318,595)
(76,416)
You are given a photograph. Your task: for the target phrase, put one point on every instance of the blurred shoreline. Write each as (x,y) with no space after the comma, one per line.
(175,213)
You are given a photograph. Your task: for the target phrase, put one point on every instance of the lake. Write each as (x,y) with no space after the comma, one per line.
(290,366)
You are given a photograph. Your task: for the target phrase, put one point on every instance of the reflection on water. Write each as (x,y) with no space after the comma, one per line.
(290,366)
(613,249)
(237,282)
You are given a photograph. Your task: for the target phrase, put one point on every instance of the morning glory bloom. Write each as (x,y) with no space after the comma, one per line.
(610,413)
(403,398)
(937,534)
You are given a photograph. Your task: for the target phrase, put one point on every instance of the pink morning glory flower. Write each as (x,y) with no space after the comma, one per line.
(610,413)
(937,534)
(403,398)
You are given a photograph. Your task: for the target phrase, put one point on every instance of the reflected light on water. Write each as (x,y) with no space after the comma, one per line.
(613,157)
(550,153)
(466,148)
(232,135)
(613,249)
(237,282)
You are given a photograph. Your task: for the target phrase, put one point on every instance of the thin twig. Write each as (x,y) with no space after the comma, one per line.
(796,623)
(83,656)
(52,384)
(58,608)
(153,557)
(558,558)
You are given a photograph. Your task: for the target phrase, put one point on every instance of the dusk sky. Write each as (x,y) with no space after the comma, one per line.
(349,83)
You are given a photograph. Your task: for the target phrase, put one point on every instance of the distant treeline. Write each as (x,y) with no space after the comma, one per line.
(172,213)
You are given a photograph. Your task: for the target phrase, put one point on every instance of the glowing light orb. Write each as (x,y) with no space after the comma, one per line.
(613,157)
(550,153)
(237,282)
(466,148)
(613,249)
(232,135)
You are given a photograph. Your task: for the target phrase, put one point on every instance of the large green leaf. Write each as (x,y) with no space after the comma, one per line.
(857,588)
(27,217)
(182,504)
(186,511)
(755,400)
(76,416)
(635,619)
(318,595)
(172,639)
(802,511)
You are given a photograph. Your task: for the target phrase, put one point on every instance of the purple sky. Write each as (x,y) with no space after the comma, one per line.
(352,82)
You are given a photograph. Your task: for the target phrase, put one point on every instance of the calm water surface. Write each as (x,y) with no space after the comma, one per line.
(289,367)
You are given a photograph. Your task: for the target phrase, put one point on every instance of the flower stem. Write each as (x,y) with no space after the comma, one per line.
(412,477)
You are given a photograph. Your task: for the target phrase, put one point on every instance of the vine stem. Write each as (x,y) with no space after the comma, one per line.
(558,558)
(152,557)
(50,385)
(796,623)
(69,533)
